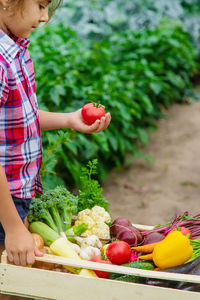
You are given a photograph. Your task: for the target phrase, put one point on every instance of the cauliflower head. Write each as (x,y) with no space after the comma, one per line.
(100,214)
(95,218)
(101,230)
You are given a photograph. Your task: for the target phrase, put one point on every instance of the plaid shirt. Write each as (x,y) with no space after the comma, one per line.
(20,141)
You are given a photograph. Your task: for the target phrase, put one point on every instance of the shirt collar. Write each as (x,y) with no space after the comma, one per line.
(10,45)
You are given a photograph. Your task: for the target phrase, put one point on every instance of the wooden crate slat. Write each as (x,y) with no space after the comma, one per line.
(51,285)
(116,269)
(142,227)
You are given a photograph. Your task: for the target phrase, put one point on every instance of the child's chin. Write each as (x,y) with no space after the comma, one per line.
(24,36)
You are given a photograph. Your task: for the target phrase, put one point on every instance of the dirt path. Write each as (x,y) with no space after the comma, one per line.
(152,193)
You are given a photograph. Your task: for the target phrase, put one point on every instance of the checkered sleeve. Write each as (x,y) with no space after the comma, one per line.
(4,90)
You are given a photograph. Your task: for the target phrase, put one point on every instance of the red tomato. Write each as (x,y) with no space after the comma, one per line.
(92,112)
(186,232)
(101,274)
(118,252)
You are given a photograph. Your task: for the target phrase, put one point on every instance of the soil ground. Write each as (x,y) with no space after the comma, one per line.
(154,192)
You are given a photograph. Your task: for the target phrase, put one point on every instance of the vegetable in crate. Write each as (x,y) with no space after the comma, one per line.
(130,234)
(59,246)
(196,249)
(93,241)
(153,237)
(96,219)
(190,222)
(184,268)
(123,230)
(148,248)
(101,274)
(148,256)
(73,232)
(187,268)
(49,236)
(118,224)
(118,252)
(54,208)
(89,246)
(88,252)
(62,247)
(186,231)
(47,233)
(132,278)
(188,285)
(39,242)
(173,251)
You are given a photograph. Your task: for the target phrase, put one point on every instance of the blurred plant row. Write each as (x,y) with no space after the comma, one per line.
(97,19)
(134,73)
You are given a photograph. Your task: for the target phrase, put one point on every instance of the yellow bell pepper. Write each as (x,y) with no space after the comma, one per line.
(173,251)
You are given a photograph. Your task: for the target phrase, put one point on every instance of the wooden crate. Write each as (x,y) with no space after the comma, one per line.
(43,284)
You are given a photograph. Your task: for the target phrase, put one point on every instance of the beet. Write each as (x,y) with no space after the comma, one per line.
(153,237)
(129,234)
(138,233)
(119,224)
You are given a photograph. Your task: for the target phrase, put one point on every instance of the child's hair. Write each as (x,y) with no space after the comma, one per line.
(53,6)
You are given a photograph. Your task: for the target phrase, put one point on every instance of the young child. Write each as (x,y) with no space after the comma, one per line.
(20,125)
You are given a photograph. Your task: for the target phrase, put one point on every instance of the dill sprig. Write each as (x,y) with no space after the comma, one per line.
(90,193)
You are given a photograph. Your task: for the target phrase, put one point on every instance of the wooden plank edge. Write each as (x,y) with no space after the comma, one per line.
(36,282)
(142,227)
(118,269)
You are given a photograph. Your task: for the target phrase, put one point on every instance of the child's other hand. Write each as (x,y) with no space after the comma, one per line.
(20,246)
(76,122)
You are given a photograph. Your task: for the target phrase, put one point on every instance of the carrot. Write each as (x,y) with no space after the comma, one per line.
(146,256)
(148,248)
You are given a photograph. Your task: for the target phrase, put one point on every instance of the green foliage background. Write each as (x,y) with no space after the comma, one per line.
(133,73)
(97,19)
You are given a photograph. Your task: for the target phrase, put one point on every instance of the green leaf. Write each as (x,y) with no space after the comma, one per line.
(143,136)
(147,103)
(112,141)
(156,87)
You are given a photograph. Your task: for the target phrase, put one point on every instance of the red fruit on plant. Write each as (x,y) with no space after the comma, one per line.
(118,252)
(119,224)
(98,258)
(91,112)
(186,232)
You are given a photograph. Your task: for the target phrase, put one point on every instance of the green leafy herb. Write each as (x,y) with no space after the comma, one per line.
(196,249)
(90,193)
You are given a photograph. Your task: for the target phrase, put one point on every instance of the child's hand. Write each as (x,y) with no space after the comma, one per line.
(20,246)
(76,122)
